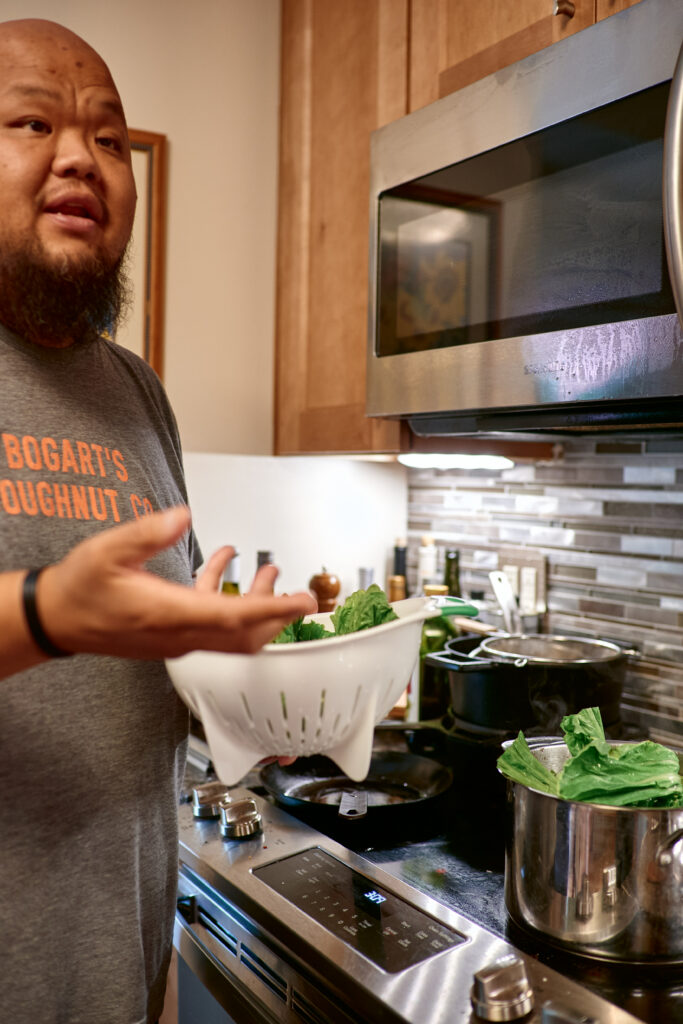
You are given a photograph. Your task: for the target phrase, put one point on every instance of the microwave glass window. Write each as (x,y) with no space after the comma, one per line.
(557,230)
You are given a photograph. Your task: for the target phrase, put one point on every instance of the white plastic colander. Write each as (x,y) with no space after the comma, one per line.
(312,697)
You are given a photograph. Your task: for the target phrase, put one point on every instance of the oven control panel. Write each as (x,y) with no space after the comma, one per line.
(374,921)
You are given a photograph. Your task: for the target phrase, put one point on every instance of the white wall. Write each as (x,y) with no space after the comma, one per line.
(205,74)
(311,512)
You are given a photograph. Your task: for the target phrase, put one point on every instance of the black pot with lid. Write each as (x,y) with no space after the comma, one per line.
(531,681)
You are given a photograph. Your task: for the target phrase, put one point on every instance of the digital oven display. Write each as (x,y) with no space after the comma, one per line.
(375,922)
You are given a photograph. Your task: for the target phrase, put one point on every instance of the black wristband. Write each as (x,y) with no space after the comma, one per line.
(35,626)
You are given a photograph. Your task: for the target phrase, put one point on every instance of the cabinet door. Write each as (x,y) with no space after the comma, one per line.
(456,42)
(603,8)
(343,74)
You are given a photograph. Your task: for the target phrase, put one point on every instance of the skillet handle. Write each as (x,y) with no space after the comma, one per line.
(353,804)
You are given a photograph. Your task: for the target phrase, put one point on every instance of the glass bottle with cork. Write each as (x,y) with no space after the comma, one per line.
(451,579)
(426,564)
(396,583)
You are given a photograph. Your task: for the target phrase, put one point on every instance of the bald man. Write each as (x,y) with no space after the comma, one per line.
(96,564)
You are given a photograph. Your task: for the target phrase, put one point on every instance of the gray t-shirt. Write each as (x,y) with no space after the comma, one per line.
(91,748)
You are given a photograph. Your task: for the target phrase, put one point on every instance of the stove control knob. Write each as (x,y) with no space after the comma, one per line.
(501,991)
(553,1013)
(207,797)
(240,819)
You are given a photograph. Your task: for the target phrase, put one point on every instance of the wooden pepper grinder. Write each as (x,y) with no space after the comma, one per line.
(325,585)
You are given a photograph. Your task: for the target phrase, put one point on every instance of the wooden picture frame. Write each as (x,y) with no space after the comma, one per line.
(143,332)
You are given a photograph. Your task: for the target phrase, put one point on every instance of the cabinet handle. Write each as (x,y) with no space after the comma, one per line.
(564,7)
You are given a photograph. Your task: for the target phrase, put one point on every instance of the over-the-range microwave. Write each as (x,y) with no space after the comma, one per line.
(526,248)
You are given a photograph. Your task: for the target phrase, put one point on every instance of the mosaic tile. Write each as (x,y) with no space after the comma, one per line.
(608,518)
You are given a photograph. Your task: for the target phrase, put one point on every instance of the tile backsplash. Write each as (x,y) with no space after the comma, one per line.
(607,516)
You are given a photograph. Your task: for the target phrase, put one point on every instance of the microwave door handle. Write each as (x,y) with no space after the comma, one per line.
(672,185)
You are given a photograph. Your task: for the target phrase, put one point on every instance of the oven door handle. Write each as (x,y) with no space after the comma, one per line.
(209,957)
(208,940)
(672,185)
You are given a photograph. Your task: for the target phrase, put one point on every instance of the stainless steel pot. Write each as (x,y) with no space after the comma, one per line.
(605,882)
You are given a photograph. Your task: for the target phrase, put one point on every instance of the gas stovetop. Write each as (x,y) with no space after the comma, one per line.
(397,933)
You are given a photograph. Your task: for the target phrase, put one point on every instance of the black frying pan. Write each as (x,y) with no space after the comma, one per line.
(396,786)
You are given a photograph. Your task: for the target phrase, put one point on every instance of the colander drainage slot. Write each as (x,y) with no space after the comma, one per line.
(247,708)
(283,702)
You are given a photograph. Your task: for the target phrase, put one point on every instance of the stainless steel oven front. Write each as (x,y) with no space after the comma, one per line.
(525,241)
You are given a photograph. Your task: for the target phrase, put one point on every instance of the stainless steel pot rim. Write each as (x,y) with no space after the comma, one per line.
(587,807)
(559,650)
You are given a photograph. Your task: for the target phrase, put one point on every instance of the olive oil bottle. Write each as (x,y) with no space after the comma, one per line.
(231,576)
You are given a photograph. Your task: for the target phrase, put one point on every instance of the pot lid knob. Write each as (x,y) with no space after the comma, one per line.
(501,991)
(240,819)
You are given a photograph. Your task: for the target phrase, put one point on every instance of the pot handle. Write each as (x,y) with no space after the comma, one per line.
(448,605)
(457,661)
(663,855)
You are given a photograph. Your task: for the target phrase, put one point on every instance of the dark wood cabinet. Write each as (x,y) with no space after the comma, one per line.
(456,42)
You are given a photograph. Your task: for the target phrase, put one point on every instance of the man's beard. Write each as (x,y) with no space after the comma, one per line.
(58,302)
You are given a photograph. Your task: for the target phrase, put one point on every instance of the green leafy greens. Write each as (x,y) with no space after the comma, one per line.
(361,610)
(300,630)
(643,774)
